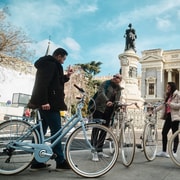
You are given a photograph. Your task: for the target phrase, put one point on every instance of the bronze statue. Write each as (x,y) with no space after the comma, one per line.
(130,36)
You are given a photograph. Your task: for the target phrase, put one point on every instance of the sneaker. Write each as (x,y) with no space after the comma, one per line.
(162,154)
(95,156)
(175,155)
(101,154)
(63,165)
(39,166)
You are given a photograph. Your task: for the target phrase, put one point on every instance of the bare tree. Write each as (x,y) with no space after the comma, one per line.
(13,41)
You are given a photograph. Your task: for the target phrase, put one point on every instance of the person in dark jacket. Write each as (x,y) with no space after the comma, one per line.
(48,95)
(108,92)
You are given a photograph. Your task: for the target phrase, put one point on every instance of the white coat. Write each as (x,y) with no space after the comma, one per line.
(174,105)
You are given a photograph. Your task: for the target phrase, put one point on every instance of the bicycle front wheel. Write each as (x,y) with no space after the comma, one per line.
(127,144)
(12,160)
(117,132)
(174,148)
(82,150)
(150,141)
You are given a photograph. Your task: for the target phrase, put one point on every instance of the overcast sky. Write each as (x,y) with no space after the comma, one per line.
(93,30)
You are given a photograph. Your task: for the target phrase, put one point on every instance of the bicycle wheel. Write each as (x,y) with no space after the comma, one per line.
(12,160)
(85,160)
(175,156)
(127,144)
(150,141)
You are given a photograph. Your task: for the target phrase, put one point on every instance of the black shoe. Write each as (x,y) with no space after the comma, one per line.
(39,166)
(63,165)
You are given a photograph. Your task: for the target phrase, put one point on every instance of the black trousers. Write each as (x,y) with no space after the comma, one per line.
(173,125)
(98,136)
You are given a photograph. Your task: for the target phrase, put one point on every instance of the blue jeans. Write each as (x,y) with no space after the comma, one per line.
(52,119)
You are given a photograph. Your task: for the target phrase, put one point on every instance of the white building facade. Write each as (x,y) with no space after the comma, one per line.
(157,68)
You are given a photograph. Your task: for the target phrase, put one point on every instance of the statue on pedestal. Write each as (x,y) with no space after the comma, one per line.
(130,36)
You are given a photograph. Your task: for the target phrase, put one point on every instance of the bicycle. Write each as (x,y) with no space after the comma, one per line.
(123,129)
(17,149)
(150,135)
(175,156)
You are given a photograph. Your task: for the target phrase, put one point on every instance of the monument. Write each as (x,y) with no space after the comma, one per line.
(129,63)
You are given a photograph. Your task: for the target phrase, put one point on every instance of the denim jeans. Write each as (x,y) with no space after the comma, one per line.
(52,119)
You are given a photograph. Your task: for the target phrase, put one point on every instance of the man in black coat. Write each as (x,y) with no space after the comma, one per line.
(48,96)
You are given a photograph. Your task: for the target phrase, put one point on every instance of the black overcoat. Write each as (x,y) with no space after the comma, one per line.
(49,84)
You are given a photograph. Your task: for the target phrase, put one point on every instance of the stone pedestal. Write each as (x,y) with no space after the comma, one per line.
(129,63)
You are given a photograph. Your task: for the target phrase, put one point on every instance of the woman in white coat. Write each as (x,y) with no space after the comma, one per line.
(171,115)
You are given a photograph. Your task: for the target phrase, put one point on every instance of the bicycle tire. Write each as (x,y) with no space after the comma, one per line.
(150,141)
(79,153)
(13,161)
(175,157)
(116,129)
(127,144)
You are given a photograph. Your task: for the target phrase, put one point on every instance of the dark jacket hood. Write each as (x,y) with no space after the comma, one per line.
(43,60)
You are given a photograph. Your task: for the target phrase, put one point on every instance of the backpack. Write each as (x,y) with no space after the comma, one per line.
(91,104)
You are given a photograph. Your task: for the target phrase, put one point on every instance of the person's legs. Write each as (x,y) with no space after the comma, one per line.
(175,126)
(95,131)
(35,164)
(106,116)
(53,120)
(165,130)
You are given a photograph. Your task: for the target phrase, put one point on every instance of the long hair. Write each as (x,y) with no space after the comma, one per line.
(173,88)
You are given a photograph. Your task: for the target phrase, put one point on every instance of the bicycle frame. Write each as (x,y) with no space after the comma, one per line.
(149,137)
(123,135)
(44,149)
(152,115)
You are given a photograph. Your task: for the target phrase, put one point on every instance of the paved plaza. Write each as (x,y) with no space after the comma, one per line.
(141,169)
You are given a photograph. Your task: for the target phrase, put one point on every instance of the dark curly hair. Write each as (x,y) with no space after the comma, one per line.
(173,88)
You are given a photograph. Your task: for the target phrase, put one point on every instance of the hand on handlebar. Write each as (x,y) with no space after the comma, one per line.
(136,105)
(109,103)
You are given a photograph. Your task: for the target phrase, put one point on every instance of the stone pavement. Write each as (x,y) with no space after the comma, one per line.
(141,169)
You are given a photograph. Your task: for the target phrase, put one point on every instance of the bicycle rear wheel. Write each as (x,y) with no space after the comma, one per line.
(175,156)
(12,160)
(127,144)
(150,141)
(85,160)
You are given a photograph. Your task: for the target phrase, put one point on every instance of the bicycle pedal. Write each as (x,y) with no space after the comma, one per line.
(53,156)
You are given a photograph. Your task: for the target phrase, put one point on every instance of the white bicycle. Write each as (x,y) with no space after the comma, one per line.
(123,129)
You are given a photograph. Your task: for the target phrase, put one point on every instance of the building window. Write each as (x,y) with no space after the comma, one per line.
(151,88)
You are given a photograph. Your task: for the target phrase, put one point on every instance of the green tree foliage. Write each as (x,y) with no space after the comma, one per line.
(91,69)
(13,41)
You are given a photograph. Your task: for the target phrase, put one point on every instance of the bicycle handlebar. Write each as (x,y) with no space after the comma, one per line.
(126,104)
(156,104)
(80,89)
(136,105)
